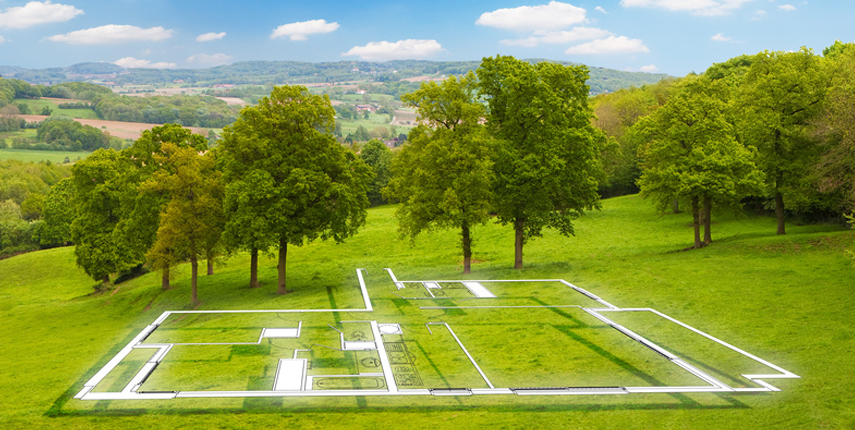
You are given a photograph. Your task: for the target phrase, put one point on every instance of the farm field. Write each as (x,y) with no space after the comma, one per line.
(38,156)
(124,130)
(37,105)
(787,299)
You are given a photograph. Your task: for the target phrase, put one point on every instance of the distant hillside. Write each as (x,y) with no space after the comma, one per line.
(293,72)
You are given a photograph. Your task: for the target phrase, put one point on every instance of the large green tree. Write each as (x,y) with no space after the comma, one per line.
(692,152)
(58,214)
(99,190)
(192,219)
(379,157)
(835,125)
(779,96)
(288,180)
(443,176)
(147,158)
(547,151)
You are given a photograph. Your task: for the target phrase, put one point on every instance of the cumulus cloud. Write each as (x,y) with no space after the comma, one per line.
(113,34)
(560,37)
(2,39)
(720,38)
(210,60)
(696,7)
(650,68)
(300,30)
(410,49)
(134,63)
(208,37)
(609,45)
(787,7)
(552,16)
(35,13)
(600,9)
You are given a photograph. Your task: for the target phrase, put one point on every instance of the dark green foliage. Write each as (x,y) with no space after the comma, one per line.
(288,180)
(379,157)
(67,134)
(546,158)
(58,214)
(189,111)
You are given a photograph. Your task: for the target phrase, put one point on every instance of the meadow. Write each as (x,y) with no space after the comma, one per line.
(787,299)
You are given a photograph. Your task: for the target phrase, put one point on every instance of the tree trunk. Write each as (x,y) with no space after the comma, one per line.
(707,221)
(779,211)
(105,280)
(675,205)
(696,221)
(210,265)
(194,274)
(164,278)
(283,253)
(519,226)
(467,248)
(253,268)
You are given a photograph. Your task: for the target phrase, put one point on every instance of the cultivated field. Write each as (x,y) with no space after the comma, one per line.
(124,130)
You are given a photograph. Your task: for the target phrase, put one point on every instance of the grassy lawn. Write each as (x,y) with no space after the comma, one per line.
(786,299)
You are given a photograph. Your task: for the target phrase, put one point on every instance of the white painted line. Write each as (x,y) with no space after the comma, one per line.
(290,375)
(391,385)
(280,333)
(478,290)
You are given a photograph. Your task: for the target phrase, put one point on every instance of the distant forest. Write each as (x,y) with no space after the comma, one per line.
(294,72)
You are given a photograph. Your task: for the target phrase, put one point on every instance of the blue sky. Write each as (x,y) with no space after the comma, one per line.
(667,36)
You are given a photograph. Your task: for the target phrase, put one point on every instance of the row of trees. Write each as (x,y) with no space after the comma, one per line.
(772,128)
(278,178)
(533,164)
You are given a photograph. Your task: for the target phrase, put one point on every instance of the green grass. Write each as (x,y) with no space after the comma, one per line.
(37,156)
(787,299)
(36,106)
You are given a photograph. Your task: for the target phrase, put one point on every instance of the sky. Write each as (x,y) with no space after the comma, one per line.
(676,37)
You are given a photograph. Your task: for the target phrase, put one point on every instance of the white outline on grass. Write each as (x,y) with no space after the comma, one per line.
(131,389)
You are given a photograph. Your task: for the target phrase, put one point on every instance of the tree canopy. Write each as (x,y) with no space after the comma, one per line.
(546,157)
(288,180)
(443,177)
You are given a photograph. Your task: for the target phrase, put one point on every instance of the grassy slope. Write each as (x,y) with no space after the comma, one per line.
(786,299)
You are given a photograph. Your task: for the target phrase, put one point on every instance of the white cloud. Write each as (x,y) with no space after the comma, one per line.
(650,68)
(2,39)
(552,16)
(600,9)
(299,30)
(720,38)
(560,37)
(696,7)
(760,14)
(35,13)
(207,37)
(787,7)
(609,45)
(210,60)
(134,63)
(410,49)
(113,34)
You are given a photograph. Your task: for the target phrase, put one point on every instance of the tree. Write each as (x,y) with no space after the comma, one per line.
(361,134)
(192,218)
(779,95)
(379,157)
(546,153)
(692,153)
(288,180)
(99,189)
(58,214)
(139,227)
(443,177)
(835,126)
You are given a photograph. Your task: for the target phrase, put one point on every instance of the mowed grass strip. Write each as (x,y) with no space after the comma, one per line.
(787,299)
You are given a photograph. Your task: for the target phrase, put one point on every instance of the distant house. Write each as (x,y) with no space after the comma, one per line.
(369,108)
